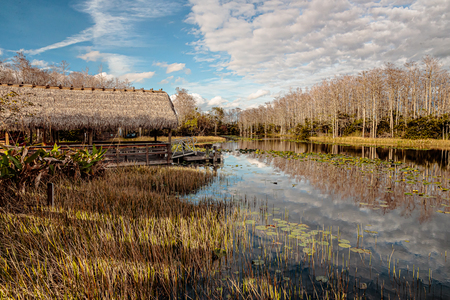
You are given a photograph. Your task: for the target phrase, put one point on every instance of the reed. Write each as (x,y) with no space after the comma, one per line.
(126,235)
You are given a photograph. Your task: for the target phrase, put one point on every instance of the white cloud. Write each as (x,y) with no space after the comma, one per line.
(298,43)
(172,67)
(39,63)
(104,75)
(92,56)
(1,51)
(180,80)
(199,100)
(166,81)
(114,22)
(258,94)
(118,64)
(137,77)
(216,101)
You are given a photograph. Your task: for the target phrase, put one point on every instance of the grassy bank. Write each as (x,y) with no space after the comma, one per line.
(124,236)
(388,142)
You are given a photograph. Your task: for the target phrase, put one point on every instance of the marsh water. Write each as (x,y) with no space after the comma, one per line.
(396,215)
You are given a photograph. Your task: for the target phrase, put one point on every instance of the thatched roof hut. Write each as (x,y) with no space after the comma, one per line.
(67,108)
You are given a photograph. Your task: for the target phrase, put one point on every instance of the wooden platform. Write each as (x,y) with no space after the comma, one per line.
(144,153)
(113,164)
(200,156)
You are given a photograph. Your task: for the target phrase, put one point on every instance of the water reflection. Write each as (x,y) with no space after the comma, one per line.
(440,158)
(366,204)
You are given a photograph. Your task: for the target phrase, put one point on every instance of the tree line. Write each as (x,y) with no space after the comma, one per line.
(19,70)
(410,101)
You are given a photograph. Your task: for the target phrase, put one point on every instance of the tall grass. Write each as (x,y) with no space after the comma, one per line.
(124,236)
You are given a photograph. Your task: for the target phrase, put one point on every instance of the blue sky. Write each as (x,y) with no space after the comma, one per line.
(239,53)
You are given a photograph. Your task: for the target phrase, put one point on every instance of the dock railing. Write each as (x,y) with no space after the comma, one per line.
(148,153)
(184,146)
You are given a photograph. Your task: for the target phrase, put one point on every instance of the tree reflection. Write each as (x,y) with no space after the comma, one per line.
(379,187)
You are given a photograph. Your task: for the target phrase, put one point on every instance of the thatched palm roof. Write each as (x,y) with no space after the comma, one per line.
(66,108)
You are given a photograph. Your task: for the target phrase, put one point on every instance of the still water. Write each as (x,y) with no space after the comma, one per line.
(399,212)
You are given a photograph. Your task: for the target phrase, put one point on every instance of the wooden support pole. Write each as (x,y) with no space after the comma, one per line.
(30,140)
(44,137)
(215,154)
(6,138)
(146,155)
(169,147)
(51,137)
(117,154)
(50,194)
(90,137)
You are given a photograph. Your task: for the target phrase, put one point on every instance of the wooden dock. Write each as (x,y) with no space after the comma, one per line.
(144,153)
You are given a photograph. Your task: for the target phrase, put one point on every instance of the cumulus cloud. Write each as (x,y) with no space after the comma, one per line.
(291,43)
(166,81)
(199,100)
(1,51)
(137,77)
(92,56)
(39,63)
(118,64)
(104,75)
(216,101)
(175,67)
(258,94)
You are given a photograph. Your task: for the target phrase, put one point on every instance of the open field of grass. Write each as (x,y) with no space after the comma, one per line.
(389,142)
(127,235)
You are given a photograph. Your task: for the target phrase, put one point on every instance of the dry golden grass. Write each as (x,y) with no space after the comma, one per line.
(124,236)
(391,142)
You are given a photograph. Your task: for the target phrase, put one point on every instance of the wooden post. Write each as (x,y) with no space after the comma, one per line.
(6,138)
(90,136)
(169,147)
(50,194)
(215,154)
(50,133)
(146,154)
(31,136)
(117,154)
(44,137)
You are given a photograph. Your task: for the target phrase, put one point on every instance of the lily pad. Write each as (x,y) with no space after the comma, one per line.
(323,279)
(257,262)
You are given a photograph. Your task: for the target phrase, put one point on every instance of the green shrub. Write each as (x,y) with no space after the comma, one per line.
(19,168)
(427,127)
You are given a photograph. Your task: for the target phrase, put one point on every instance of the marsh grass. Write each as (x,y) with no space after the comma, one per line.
(127,235)
(388,142)
(130,235)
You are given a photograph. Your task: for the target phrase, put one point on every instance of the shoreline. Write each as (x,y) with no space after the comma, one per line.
(422,144)
(398,143)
